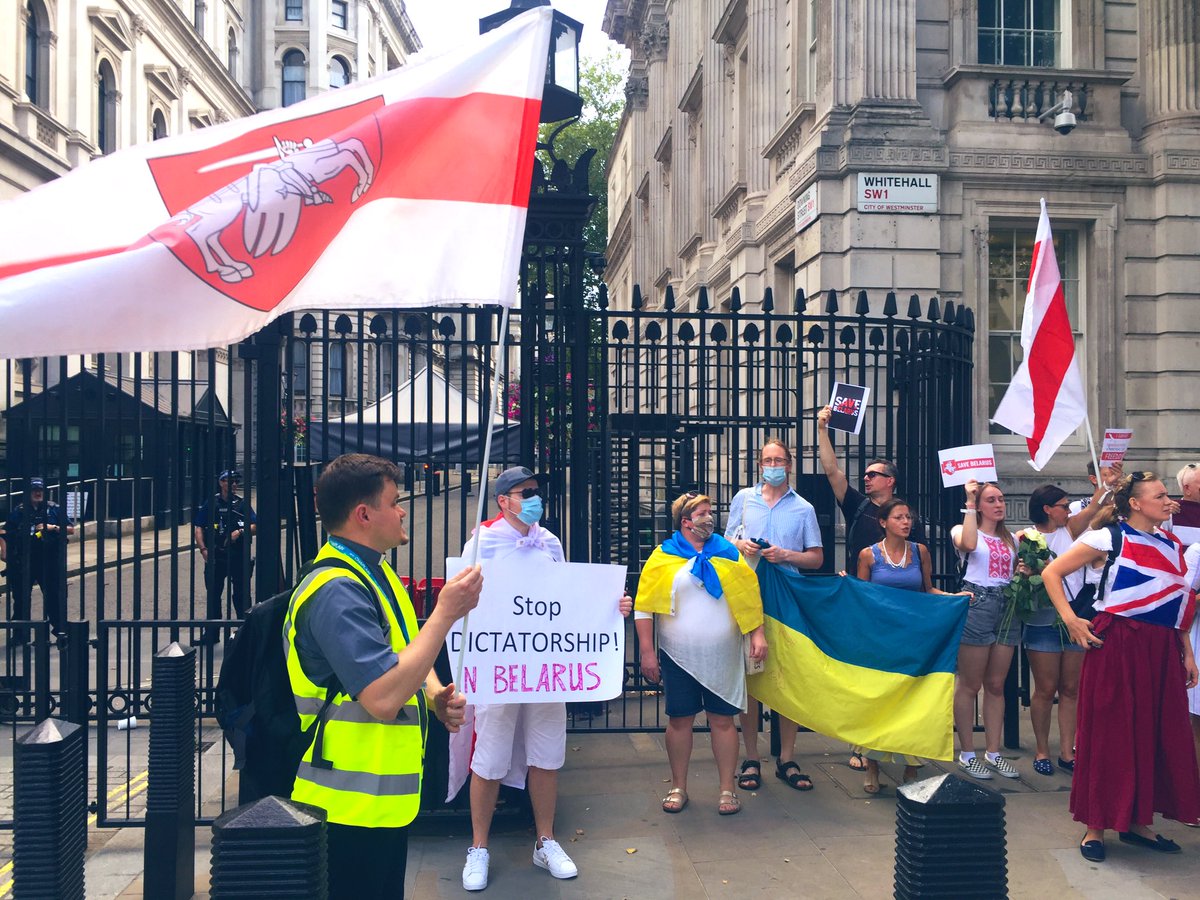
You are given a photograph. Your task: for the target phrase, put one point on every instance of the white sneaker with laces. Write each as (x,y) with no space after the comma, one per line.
(553,858)
(475,872)
(974,767)
(1002,765)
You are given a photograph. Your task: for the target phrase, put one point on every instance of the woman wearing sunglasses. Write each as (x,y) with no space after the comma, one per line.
(703,597)
(1134,749)
(1054,660)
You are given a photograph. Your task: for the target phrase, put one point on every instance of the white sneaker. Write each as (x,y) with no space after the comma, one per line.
(1002,765)
(974,767)
(553,858)
(475,872)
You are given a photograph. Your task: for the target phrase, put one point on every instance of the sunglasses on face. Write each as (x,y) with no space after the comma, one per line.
(875,475)
(526,493)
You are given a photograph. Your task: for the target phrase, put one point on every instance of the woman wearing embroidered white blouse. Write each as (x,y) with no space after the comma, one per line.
(985,651)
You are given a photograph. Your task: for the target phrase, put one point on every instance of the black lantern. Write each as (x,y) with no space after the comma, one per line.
(560,98)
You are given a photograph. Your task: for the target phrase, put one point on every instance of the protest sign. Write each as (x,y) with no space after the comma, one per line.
(1116,443)
(543,632)
(960,464)
(848,404)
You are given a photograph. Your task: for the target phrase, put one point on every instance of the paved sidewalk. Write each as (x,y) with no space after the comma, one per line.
(832,842)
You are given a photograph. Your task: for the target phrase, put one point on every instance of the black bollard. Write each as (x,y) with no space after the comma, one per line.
(950,841)
(170,849)
(50,811)
(270,848)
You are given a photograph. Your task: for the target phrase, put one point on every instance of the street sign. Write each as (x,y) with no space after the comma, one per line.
(897,192)
(806,208)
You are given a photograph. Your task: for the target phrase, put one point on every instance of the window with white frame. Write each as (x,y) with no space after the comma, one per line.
(810,74)
(1010,258)
(294,76)
(341,16)
(37,51)
(339,72)
(293,10)
(1020,32)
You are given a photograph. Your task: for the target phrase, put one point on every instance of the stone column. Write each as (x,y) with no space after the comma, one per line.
(1169,39)
(888,39)
(765,89)
(716,114)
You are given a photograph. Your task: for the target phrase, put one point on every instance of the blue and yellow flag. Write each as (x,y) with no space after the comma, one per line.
(867,664)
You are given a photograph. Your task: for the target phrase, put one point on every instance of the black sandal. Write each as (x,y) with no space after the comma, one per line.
(790,772)
(750,781)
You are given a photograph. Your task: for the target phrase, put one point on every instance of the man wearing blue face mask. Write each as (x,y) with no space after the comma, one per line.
(771,513)
(517,743)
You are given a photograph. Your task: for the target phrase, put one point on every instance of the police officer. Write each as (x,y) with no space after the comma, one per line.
(220,528)
(34,543)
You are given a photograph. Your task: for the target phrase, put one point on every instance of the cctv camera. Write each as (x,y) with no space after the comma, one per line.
(1064,122)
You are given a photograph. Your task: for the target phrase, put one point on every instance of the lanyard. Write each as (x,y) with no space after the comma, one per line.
(390,595)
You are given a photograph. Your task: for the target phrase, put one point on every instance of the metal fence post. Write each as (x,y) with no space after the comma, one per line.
(76,703)
(170,849)
(950,840)
(1012,704)
(50,811)
(272,847)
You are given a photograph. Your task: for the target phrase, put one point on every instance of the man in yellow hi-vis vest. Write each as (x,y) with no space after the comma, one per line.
(352,635)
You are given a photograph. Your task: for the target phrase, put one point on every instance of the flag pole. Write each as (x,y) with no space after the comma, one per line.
(1087,424)
(483,485)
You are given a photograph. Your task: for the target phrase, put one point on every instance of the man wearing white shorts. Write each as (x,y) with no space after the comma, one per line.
(518,742)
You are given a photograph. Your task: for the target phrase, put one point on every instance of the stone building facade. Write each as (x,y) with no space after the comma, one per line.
(742,114)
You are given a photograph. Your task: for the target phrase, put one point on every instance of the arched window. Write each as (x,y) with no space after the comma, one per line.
(293,77)
(106,108)
(37,53)
(232,54)
(339,72)
(158,127)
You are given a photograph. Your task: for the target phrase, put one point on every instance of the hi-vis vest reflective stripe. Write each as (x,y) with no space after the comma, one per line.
(365,772)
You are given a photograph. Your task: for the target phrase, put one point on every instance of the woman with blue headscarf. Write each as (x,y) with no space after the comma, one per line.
(704,598)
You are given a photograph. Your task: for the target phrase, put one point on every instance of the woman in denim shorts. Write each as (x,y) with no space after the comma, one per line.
(1054,659)
(989,638)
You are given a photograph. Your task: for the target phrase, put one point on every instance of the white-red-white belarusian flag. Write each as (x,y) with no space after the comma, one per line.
(1045,401)
(409,189)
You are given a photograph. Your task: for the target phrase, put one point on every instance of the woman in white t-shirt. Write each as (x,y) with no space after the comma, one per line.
(985,650)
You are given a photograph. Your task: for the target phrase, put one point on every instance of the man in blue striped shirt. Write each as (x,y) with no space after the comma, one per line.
(771,521)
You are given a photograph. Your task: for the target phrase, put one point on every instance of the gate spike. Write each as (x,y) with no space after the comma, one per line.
(831,302)
(970,323)
(636,302)
(914,307)
(889,304)
(801,300)
(935,309)
(949,312)
(735,299)
(768,300)
(669,300)
(862,308)
(702,301)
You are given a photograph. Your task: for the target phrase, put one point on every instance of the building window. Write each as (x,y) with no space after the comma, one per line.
(294,10)
(293,77)
(299,369)
(158,126)
(1019,32)
(386,370)
(339,72)
(198,16)
(1010,258)
(810,74)
(231,51)
(337,370)
(340,16)
(106,108)
(37,50)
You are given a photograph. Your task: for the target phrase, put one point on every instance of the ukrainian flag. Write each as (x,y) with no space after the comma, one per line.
(867,664)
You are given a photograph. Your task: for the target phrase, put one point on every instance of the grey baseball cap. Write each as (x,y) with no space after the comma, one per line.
(510,478)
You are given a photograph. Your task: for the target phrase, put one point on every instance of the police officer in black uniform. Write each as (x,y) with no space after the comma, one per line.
(220,527)
(34,544)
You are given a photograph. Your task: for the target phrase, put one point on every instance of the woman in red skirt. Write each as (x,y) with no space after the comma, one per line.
(1134,754)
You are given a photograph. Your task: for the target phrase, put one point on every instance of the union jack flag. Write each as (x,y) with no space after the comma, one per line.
(1147,580)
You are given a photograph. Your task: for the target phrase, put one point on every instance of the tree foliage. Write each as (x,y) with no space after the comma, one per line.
(601,83)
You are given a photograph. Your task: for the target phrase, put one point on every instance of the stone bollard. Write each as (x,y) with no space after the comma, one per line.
(950,841)
(270,848)
(50,811)
(170,849)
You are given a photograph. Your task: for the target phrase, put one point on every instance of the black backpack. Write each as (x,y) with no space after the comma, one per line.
(255,706)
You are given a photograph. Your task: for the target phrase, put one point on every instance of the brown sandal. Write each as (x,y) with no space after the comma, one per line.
(675,801)
(729,804)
